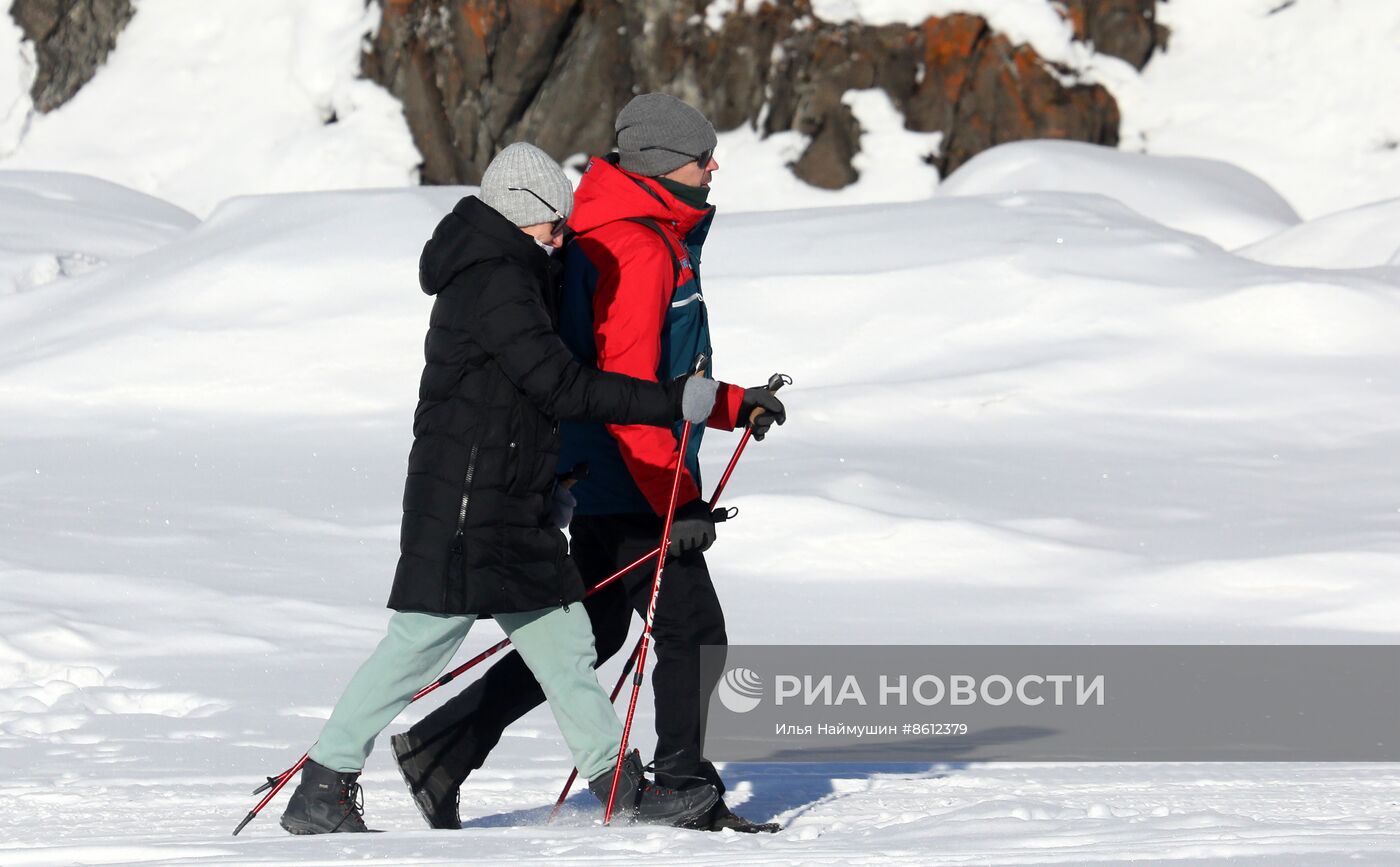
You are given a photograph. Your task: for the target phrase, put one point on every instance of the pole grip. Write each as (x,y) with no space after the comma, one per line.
(775,382)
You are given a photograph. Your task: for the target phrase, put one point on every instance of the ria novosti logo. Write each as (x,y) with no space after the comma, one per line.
(740,690)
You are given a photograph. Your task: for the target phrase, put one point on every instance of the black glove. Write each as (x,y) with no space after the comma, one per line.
(773,411)
(693,529)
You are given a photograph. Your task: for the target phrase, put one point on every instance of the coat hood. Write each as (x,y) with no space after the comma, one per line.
(473,233)
(607,194)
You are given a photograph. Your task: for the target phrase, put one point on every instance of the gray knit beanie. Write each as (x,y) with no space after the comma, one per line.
(520,171)
(657,133)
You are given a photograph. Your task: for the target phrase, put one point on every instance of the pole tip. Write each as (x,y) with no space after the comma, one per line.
(241,825)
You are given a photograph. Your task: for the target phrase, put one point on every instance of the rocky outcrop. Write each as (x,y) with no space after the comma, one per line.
(71,40)
(475,75)
(1126,29)
(982,91)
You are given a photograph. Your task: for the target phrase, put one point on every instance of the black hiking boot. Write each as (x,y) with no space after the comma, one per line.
(641,800)
(433,789)
(325,802)
(721,818)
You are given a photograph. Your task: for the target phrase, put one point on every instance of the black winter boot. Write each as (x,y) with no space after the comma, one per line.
(721,818)
(641,800)
(325,802)
(433,789)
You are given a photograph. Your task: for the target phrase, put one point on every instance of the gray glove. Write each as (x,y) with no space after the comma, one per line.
(698,399)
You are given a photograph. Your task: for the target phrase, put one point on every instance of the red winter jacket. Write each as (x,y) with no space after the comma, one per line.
(636,290)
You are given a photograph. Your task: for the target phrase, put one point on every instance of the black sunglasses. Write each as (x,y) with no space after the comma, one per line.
(702,159)
(557,225)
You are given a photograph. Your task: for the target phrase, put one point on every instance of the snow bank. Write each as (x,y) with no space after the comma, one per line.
(203,101)
(1364,237)
(330,271)
(59,225)
(1216,200)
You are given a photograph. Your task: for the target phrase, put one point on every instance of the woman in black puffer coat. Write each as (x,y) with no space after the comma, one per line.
(477,535)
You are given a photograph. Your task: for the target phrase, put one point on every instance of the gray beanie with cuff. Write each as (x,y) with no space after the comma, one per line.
(657,133)
(521,167)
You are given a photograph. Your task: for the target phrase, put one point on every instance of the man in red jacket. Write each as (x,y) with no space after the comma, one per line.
(632,303)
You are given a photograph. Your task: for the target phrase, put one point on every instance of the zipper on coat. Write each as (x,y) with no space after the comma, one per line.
(466,496)
(457,547)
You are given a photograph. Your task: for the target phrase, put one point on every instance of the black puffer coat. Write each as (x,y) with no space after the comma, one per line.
(476,536)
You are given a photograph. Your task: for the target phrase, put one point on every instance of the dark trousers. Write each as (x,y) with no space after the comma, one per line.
(461,733)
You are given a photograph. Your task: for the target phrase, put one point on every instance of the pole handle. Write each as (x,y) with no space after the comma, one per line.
(775,382)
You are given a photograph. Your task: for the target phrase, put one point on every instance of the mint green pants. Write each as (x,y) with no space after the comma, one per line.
(556,643)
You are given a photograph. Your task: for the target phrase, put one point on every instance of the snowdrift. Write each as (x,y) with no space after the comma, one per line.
(1365,237)
(1216,200)
(61,225)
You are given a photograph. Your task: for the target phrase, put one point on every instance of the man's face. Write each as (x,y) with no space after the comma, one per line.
(692,174)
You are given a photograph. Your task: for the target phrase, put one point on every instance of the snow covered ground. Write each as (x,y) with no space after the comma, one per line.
(1034,408)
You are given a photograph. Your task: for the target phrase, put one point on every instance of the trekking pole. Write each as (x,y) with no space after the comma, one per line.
(275,784)
(617,688)
(695,369)
(775,382)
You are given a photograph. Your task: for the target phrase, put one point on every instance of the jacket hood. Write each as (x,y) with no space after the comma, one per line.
(473,233)
(608,193)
